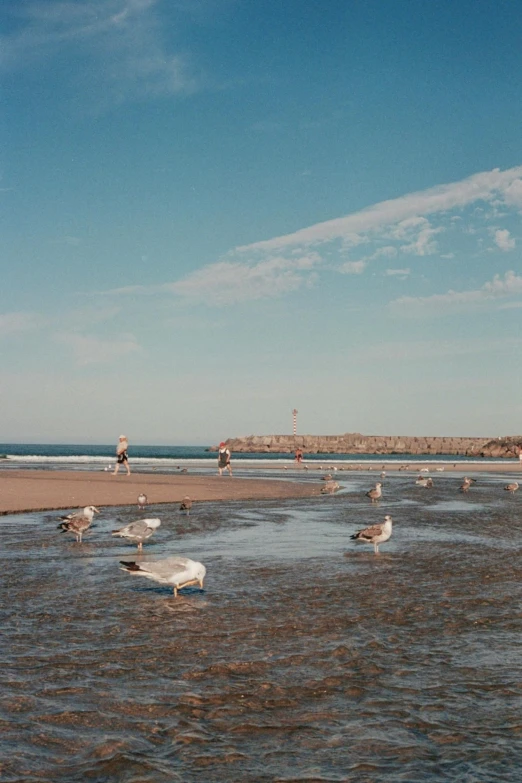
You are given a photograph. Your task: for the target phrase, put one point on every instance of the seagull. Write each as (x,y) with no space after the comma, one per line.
(138,531)
(512,487)
(376,534)
(383,474)
(420,481)
(176,571)
(78,522)
(429,483)
(330,487)
(466,484)
(186,505)
(328,477)
(142,500)
(375,493)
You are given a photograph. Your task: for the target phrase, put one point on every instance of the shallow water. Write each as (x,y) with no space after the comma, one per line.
(305,658)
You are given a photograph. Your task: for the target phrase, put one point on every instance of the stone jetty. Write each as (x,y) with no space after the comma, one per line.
(354,443)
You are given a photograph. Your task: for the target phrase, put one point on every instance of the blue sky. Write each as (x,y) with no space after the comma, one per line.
(214,211)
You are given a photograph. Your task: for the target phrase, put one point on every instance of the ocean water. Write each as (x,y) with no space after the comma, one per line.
(172,458)
(305,658)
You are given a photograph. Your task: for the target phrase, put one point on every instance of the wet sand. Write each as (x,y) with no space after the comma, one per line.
(305,658)
(40,490)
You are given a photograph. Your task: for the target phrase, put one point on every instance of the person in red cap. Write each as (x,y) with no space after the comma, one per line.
(224,458)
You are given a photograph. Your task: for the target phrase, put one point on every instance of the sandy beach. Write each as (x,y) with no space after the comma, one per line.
(41,490)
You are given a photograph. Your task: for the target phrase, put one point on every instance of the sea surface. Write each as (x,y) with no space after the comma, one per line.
(305,657)
(169,459)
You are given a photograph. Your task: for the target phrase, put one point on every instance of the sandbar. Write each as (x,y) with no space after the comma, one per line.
(42,490)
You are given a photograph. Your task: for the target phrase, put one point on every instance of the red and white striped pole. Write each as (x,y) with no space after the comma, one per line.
(294,416)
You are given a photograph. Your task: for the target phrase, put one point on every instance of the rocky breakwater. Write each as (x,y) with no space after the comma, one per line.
(355,443)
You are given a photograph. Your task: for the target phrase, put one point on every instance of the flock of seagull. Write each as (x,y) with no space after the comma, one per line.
(180,572)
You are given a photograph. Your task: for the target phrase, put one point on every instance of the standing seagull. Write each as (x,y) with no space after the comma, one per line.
(466,484)
(78,522)
(142,500)
(176,571)
(186,504)
(375,493)
(376,534)
(138,531)
(512,487)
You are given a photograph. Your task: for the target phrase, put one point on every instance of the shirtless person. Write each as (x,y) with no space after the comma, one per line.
(121,455)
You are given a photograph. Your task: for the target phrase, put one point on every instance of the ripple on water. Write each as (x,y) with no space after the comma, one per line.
(305,658)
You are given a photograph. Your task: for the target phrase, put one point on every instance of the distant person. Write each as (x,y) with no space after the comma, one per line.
(122,458)
(298,456)
(520,456)
(224,459)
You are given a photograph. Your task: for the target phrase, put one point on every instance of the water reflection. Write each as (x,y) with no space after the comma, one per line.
(305,658)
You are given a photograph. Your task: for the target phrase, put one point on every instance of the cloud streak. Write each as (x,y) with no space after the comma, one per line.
(412,225)
(495,289)
(118,45)
(485,186)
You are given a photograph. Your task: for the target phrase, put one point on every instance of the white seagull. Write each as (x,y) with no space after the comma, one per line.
(376,534)
(138,531)
(142,500)
(78,522)
(176,571)
(375,493)
(512,487)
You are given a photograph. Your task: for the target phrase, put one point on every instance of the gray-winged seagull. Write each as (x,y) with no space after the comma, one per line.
(176,571)
(138,531)
(142,500)
(78,522)
(376,534)
(375,493)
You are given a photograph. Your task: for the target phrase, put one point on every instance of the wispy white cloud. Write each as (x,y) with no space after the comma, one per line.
(412,225)
(95,350)
(483,187)
(118,45)
(498,288)
(504,240)
(13,323)
(228,282)
(403,273)
(353,267)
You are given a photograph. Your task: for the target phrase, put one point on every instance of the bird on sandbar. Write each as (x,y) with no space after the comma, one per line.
(375,534)
(78,522)
(328,477)
(142,500)
(176,571)
(375,493)
(512,487)
(186,505)
(330,487)
(138,531)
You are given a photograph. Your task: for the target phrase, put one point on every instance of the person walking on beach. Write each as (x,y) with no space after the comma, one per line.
(298,456)
(224,459)
(122,457)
